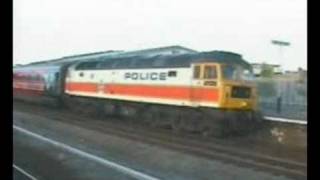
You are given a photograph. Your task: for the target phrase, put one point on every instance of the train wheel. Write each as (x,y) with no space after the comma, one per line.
(176,125)
(108,109)
(215,124)
(216,130)
(147,114)
(161,117)
(128,111)
(99,109)
(89,109)
(70,103)
(154,120)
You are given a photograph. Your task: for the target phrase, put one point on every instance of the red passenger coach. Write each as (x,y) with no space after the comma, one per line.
(28,83)
(37,83)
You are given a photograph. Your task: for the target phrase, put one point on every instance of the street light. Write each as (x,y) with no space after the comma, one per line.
(280,44)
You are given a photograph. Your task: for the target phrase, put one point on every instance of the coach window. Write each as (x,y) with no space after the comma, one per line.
(56,76)
(210,72)
(196,72)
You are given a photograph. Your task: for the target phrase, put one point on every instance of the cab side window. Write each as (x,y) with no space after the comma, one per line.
(210,72)
(196,72)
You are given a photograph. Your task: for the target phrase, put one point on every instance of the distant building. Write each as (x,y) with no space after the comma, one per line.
(300,75)
(258,68)
(277,69)
(303,75)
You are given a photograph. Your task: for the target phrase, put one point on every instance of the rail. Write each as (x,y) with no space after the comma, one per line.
(285,120)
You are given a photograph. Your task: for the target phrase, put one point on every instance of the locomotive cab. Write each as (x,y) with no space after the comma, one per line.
(235,91)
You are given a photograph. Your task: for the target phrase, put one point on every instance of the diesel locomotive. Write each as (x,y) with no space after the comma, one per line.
(207,92)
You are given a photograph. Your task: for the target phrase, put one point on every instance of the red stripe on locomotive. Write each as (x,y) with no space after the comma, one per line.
(165,92)
(82,87)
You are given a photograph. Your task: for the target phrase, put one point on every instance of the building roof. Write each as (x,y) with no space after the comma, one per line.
(260,64)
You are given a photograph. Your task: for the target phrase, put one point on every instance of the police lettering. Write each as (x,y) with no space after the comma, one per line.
(146,76)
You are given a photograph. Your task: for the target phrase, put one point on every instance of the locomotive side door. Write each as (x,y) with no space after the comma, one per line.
(204,76)
(196,81)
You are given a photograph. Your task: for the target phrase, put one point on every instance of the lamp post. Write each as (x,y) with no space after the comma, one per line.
(281,45)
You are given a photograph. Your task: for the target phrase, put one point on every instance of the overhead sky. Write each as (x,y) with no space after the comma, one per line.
(48,29)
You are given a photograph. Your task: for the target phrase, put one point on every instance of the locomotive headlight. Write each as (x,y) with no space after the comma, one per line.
(243,104)
(227,91)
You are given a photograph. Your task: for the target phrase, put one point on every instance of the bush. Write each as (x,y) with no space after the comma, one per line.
(266,70)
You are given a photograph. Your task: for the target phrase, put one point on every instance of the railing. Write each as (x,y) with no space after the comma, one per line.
(284,98)
(288,111)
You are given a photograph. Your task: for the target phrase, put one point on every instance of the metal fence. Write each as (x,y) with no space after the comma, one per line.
(283,97)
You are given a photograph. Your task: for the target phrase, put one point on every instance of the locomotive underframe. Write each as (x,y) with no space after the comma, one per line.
(207,121)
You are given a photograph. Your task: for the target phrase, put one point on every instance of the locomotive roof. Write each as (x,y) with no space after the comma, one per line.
(103,54)
(163,61)
(140,61)
(42,65)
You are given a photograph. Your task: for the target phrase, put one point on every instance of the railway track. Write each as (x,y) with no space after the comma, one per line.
(199,146)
